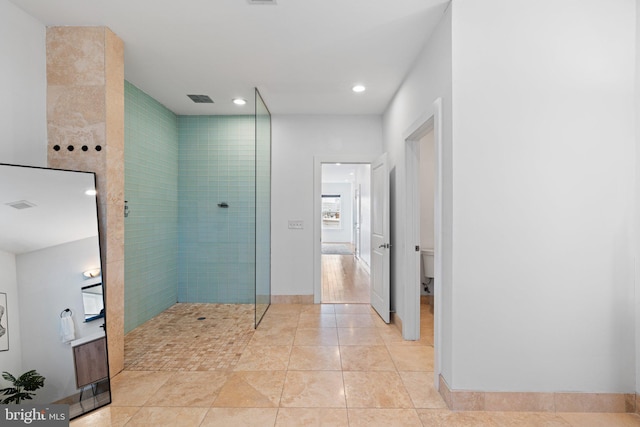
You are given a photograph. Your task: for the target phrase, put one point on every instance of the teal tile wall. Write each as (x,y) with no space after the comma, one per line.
(216,246)
(180,246)
(151,188)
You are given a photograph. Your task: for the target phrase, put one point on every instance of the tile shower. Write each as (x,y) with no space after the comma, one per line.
(190,183)
(215,245)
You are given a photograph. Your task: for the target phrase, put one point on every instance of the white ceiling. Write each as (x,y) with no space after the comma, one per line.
(303,55)
(342,172)
(62,212)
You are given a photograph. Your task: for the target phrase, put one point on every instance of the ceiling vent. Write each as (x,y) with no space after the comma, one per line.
(201,99)
(262,1)
(21,204)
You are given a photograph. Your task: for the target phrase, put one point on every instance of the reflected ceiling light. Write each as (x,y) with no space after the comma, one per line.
(358,88)
(94,272)
(91,192)
(239,101)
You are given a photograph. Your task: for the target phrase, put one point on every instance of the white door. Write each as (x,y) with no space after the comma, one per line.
(380,238)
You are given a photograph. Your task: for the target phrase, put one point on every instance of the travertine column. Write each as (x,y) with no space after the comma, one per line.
(85,126)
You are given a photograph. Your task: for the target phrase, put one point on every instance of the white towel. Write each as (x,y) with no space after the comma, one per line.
(67,329)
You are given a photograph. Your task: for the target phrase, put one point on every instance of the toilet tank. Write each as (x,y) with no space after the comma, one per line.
(427,262)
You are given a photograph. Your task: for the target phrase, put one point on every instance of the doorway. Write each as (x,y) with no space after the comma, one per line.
(345,229)
(356,248)
(427,127)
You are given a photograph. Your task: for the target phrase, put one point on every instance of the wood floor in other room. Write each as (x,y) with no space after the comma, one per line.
(344,280)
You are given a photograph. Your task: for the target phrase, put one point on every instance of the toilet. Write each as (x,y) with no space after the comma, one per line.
(426,267)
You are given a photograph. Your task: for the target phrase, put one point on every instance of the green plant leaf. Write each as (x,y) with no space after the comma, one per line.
(9,390)
(7,376)
(27,382)
(30,381)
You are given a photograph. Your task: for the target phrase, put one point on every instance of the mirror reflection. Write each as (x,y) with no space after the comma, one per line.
(48,240)
(92,302)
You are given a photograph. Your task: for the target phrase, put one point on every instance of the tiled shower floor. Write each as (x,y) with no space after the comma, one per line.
(176,340)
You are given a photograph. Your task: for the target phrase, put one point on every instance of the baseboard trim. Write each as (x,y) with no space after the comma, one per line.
(462,400)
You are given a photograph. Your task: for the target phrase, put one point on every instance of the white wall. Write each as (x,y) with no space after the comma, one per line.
(10,361)
(49,281)
(543,106)
(297,139)
(427,183)
(637,193)
(23,131)
(344,233)
(428,80)
(363,179)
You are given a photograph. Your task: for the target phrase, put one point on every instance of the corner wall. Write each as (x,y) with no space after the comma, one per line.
(543,106)
(23,87)
(85,128)
(637,209)
(11,361)
(151,190)
(41,303)
(428,80)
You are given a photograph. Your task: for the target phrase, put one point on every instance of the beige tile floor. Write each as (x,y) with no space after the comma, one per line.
(306,365)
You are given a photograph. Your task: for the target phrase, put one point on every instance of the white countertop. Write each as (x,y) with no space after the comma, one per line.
(86,339)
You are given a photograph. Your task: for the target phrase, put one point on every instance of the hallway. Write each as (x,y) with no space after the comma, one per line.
(344,280)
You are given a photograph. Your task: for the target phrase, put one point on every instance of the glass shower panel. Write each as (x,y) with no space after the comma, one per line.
(263,208)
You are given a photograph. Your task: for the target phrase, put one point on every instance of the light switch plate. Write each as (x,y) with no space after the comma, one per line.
(296,224)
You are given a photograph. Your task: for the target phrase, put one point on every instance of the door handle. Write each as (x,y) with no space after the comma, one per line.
(385,245)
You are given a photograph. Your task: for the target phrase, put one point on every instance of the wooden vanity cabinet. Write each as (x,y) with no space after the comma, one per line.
(90,361)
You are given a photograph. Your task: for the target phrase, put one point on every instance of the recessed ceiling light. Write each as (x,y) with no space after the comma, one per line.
(239,101)
(91,192)
(358,88)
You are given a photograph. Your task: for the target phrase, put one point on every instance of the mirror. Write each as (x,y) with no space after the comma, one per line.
(48,239)
(93,302)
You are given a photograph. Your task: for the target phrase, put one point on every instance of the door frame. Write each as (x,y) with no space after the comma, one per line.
(430,120)
(317,209)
